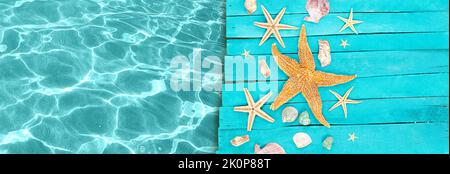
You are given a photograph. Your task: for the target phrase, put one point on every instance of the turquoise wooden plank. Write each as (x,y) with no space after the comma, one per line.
(421,138)
(364,64)
(426,109)
(236,7)
(421,85)
(243,27)
(372,42)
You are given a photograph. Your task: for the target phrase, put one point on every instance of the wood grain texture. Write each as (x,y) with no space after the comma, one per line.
(364,64)
(374,139)
(374,23)
(421,85)
(236,7)
(378,42)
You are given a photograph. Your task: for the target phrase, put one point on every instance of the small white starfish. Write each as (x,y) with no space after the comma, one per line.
(253,109)
(273,26)
(349,22)
(352,137)
(343,100)
(344,43)
(246,53)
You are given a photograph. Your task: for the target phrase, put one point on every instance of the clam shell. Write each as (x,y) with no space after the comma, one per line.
(328,142)
(317,9)
(289,114)
(239,140)
(250,5)
(271,148)
(264,68)
(302,140)
(324,53)
(304,118)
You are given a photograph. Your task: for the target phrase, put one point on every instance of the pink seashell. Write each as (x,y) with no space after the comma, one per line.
(239,140)
(271,148)
(250,5)
(317,9)
(264,68)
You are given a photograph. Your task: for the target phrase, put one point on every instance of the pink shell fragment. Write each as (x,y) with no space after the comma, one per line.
(264,68)
(271,148)
(317,9)
(324,53)
(239,140)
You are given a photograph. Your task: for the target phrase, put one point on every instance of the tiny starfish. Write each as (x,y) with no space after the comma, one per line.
(352,137)
(246,53)
(343,100)
(254,108)
(344,43)
(273,26)
(349,22)
(303,78)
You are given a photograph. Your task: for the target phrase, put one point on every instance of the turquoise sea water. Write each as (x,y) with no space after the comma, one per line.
(92,76)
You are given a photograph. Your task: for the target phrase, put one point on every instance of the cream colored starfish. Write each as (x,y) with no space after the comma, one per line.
(344,43)
(352,137)
(254,109)
(303,78)
(343,100)
(246,53)
(272,26)
(349,22)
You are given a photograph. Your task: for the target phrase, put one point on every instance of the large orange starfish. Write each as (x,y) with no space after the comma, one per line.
(303,78)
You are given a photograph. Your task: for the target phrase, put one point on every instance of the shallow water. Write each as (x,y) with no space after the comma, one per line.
(92,76)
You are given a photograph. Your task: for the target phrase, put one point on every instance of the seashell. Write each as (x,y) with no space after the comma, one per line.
(324,53)
(302,140)
(304,118)
(289,114)
(328,142)
(264,68)
(271,148)
(250,5)
(239,140)
(317,9)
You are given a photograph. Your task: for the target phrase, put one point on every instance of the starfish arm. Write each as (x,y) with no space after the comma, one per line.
(279,16)
(242,108)
(353,101)
(353,28)
(267,15)
(335,106)
(262,25)
(339,97)
(289,90)
(263,100)
(343,27)
(357,21)
(286,27)
(329,79)
(286,64)
(348,92)
(266,36)
(343,19)
(344,107)
(350,17)
(278,37)
(249,98)
(251,118)
(311,93)
(264,115)
(304,52)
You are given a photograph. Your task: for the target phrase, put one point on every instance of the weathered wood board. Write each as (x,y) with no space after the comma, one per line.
(400,56)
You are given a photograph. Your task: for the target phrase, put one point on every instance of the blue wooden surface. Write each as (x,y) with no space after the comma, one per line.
(400,57)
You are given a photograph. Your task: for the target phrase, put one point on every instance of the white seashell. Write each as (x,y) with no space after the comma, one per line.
(302,140)
(289,114)
(264,68)
(328,142)
(250,5)
(271,148)
(317,9)
(304,118)
(239,140)
(324,53)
